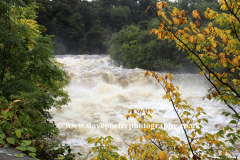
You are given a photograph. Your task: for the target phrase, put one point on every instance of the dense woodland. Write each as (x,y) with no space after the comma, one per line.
(116,27)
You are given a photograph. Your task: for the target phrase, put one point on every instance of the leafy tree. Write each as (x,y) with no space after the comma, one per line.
(104,148)
(120,16)
(76,33)
(95,38)
(133,47)
(64,20)
(28,71)
(107,3)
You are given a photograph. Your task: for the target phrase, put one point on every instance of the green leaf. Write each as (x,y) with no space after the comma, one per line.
(233,122)
(5,115)
(32,155)
(232,141)
(18,133)
(205,120)
(2,136)
(32,149)
(21,148)
(27,142)
(228,135)
(23,145)
(149,115)
(11,140)
(231,149)
(18,155)
(238,131)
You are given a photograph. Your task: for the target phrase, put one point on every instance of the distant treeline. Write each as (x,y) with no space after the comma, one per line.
(117,27)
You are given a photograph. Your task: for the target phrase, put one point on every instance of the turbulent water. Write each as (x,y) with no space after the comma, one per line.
(102,94)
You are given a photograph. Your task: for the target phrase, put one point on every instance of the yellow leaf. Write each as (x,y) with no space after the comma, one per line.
(235,62)
(153,30)
(182,13)
(221,2)
(160,79)
(177,87)
(149,73)
(159,5)
(153,74)
(200,141)
(224,7)
(110,148)
(201,73)
(198,24)
(163,34)
(193,134)
(105,143)
(176,21)
(170,77)
(223,152)
(207,31)
(196,14)
(176,138)
(165,4)
(216,142)
(17,101)
(141,139)
(164,16)
(214,44)
(201,36)
(174,14)
(207,11)
(234,82)
(209,96)
(209,137)
(175,10)
(191,39)
(162,155)
(230,153)
(147,9)
(146,73)
(224,39)
(227,88)
(147,138)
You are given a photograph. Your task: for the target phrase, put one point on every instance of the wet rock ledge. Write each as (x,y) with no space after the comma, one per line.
(8,154)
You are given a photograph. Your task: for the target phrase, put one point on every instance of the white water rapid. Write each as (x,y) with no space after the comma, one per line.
(102,93)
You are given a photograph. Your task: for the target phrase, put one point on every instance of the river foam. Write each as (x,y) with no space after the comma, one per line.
(102,93)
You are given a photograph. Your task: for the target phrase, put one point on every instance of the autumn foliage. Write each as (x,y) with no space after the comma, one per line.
(214,46)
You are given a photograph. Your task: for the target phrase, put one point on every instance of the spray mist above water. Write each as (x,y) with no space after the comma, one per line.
(102,94)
